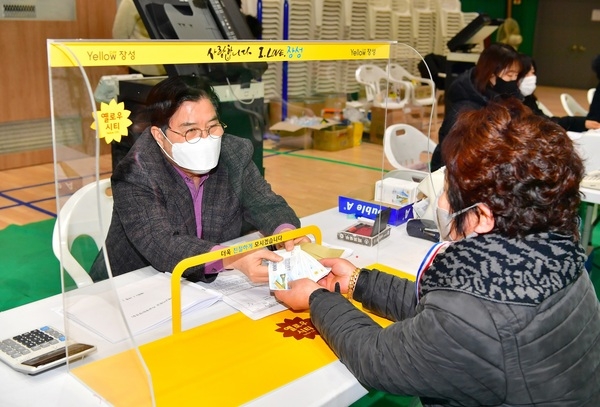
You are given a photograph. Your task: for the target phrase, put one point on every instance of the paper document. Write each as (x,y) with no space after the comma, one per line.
(324,250)
(253,300)
(146,304)
(256,301)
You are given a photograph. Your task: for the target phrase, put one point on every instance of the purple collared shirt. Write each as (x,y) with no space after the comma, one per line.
(216,266)
(212,266)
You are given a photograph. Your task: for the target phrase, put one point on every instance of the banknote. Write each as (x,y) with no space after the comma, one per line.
(296,264)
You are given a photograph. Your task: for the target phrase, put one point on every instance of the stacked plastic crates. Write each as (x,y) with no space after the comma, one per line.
(330,27)
(355,28)
(403,33)
(449,23)
(272,29)
(424,26)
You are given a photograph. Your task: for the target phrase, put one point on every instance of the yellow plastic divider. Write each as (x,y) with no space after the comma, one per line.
(226,362)
(118,53)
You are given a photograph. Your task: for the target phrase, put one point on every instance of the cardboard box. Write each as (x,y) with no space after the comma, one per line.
(380,119)
(360,204)
(348,236)
(333,138)
(422,91)
(289,129)
(335,100)
(396,191)
(293,109)
(307,107)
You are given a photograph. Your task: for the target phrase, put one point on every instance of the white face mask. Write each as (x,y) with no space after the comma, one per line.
(443,219)
(199,157)
(527,85)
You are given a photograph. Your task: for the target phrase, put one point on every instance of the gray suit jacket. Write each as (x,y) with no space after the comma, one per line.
(153,220)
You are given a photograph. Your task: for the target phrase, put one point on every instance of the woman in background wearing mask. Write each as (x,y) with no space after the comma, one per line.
(527,84)
(186,186)
(494,76)
(507,314)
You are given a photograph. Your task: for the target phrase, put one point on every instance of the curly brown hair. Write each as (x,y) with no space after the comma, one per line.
(522,166)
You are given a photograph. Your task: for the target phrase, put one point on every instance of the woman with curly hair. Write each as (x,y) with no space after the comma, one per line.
(507,314)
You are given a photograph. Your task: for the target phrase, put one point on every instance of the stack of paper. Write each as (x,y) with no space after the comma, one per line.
(253,299)
(145,304)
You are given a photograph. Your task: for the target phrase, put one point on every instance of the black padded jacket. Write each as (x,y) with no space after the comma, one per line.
(470,341)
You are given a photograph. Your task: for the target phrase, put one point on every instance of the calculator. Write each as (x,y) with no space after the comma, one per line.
(40,349)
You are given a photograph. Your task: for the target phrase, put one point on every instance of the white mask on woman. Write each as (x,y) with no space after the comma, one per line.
(527,85)
(198,157)
(443,218)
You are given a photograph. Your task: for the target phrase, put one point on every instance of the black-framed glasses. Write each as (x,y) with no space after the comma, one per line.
(192,136)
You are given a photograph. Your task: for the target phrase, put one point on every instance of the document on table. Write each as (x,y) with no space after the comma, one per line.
(145,304)
(256,301)
(252,299)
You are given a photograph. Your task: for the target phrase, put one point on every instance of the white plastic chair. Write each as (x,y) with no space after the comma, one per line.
(544,109)
(407,175)
(590,94)
(404,147)
(399,73)
(571,106)
(80,216)
(377,85)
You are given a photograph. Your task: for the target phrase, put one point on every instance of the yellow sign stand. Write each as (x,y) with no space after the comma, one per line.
(244,247)
(232,360)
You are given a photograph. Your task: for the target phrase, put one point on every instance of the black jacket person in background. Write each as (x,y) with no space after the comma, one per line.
(594,112)
(495,75)
(527,84)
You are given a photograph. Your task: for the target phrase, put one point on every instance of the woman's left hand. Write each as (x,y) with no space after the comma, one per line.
(297,296)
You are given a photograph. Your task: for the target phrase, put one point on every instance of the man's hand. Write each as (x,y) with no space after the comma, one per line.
(289,244)
(251,264)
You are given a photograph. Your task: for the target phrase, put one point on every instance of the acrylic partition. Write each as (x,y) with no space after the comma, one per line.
(312,110)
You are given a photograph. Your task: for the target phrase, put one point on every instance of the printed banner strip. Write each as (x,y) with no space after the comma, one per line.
(118,53)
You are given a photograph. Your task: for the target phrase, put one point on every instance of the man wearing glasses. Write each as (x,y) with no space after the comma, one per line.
(186,186)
